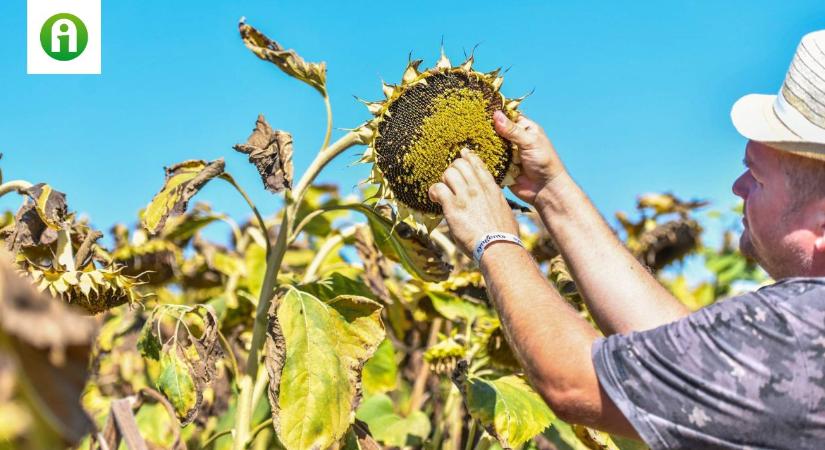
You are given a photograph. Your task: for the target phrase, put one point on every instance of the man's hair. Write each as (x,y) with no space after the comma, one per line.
(806,179)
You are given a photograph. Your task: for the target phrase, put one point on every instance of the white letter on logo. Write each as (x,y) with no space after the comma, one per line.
(64,27)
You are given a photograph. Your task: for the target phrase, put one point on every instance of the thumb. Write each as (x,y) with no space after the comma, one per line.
(511,131)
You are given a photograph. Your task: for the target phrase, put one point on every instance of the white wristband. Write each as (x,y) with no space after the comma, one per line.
(489,238)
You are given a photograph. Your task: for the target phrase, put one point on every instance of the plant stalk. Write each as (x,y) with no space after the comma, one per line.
(322,159)
(14,185)
(273,264)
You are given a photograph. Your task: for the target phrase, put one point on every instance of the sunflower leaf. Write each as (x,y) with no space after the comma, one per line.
(388,427)
(314,355)
(177,385)
(49,204)
(381,371)
(507,407)
(186,361)
(183,181)
(314,74)
(271,152)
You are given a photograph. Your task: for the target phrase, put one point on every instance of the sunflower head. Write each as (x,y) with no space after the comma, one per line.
(423,124)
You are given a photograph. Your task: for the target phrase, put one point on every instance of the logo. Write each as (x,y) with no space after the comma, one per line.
(64,37)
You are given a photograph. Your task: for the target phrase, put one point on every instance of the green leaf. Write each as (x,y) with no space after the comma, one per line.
(381,371)
(337,284)
(148,343)
(507,408)
(453,307)
(388,427)
(183,181)
(313,74)
(400,242)
(177,385)
(315,351)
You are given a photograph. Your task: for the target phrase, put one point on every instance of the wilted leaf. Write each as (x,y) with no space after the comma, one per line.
(667,203)
(315,352)
(391,429)
(49,204)
(381,371)
(183,181)
(177,385)
(668,242)
(271,152)
(29,231)
(187,361)
(358,437)
(507,407)
(314,74)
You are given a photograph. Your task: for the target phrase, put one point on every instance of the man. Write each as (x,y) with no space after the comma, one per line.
(747,372)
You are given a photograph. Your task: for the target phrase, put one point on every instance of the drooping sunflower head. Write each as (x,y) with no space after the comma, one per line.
(425,122)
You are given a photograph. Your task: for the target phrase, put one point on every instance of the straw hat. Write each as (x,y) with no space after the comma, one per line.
(794,120)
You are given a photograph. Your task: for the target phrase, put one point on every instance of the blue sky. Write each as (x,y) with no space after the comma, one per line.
(636,96)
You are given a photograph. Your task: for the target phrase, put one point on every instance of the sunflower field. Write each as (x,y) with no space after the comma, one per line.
(339,322)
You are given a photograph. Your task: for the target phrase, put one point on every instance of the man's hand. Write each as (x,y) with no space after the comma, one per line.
(473,203)
(539,162)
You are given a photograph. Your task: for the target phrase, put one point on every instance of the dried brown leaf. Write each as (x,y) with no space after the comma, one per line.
(271,152)
(314,74)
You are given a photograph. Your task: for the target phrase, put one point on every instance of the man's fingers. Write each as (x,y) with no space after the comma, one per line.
(513,132)
(467,171)
(440,194)
(480,169)
(455,181)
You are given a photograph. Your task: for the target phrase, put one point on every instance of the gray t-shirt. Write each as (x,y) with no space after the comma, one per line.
(746,372)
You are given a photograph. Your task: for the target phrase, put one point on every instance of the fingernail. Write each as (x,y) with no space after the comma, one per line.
(465,152)
(499,117)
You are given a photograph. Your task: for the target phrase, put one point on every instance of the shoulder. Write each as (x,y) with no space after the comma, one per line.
(781,307)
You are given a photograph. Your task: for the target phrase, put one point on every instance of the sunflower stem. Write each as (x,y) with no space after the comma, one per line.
(14,185)
(321,160)
(273,264)
(328,133)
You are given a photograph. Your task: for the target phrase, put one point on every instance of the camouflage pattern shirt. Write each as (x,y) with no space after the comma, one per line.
(746,372)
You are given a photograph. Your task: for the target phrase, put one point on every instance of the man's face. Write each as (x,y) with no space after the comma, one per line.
(774,235)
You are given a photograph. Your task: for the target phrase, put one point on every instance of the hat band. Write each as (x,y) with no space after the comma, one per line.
(796,122)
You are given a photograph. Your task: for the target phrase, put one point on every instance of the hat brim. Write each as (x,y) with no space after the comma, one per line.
(754,118)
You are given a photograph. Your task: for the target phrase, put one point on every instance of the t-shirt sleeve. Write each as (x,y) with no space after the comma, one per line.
(727,376)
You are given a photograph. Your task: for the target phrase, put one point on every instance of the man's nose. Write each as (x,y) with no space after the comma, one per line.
(740,186)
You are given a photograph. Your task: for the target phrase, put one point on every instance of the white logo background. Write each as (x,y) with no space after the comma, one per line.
(38,62)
